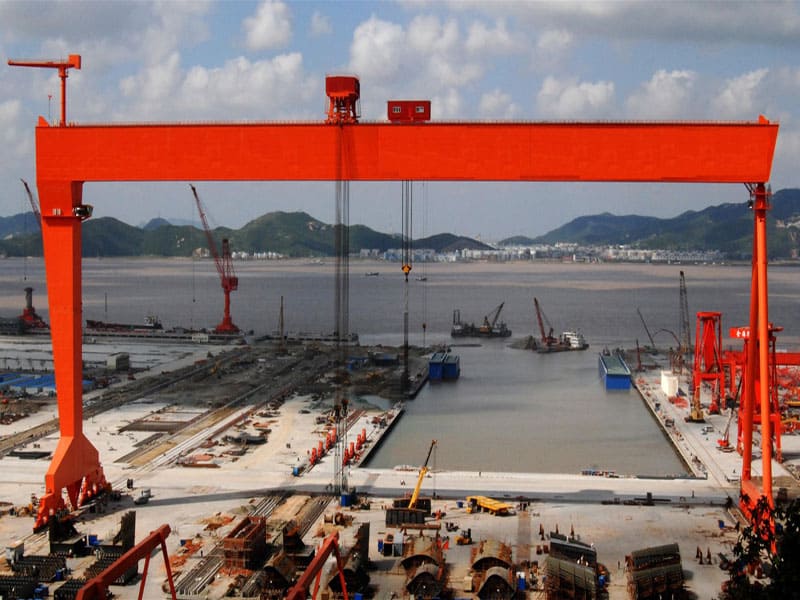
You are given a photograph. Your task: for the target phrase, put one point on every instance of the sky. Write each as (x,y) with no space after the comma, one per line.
(204,60)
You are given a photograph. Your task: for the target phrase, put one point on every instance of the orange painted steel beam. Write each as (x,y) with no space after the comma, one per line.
(655,152)
(67,157)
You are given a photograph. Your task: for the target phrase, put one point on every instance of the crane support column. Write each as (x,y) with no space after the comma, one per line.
(76,462)
(758,358)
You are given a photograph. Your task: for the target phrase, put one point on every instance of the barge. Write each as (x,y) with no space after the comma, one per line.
(569,341)
(614,371)
(491,327)
(444,366)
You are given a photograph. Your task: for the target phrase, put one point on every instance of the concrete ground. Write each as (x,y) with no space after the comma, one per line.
(600,510)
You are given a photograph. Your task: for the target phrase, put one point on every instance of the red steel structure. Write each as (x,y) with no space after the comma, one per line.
(68,157)
(343,93)
(224,263)
(97,587)
(408,111)
(73,61)
(299,591)
(750,411)
(707,362)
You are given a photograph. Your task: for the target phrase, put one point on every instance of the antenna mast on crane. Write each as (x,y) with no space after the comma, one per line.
(224,264)
(72,62)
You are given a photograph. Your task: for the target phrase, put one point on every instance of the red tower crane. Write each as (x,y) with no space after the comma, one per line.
(224,263)
(73,62)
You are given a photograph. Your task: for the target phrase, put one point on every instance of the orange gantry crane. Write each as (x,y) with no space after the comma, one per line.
(224,263)
(342,150)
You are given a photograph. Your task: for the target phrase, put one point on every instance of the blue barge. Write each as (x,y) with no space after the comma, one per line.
(444,366)
(614,371)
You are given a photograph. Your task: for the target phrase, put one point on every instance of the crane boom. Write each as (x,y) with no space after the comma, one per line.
(647,330)
(496,313)
(422,472)
(227,277)
(547,338)
(34,205)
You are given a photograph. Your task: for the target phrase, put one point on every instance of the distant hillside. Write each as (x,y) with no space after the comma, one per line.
(292,234)
(727,227)
(20,224)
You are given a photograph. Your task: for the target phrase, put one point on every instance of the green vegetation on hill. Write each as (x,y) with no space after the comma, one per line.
(727,228)
(291,234)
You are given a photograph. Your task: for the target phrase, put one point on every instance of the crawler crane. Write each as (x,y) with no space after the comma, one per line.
(224,264)
(412,503)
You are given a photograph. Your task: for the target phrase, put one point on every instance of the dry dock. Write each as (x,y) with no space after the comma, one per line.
(157,436)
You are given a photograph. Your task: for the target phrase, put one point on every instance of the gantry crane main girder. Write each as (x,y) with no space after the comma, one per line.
(68,157)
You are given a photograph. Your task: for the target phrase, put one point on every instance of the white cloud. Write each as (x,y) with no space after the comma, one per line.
(573,99)
(551,48)
(377,49)
(447,105)
(9,113)
(767,23)
(427,59)
(554,40)
(154,84)
(427,35)
(239,89)
(738,99)
(497,105)
(482,39)
(668,94)
(320,24)
(269,28)
(255,90)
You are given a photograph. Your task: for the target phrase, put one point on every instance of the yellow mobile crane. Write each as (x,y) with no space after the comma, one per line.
(412,503)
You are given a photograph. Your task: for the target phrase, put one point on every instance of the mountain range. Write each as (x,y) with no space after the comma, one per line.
(726,227)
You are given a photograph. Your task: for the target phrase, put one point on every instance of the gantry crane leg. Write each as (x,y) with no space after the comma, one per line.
(758,358)
(76,462)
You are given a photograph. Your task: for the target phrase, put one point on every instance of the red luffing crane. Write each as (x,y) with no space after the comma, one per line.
(73,61)
(548,339)
(34,205)
(224,263)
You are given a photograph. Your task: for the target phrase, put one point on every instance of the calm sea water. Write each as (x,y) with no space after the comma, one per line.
(511,410)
